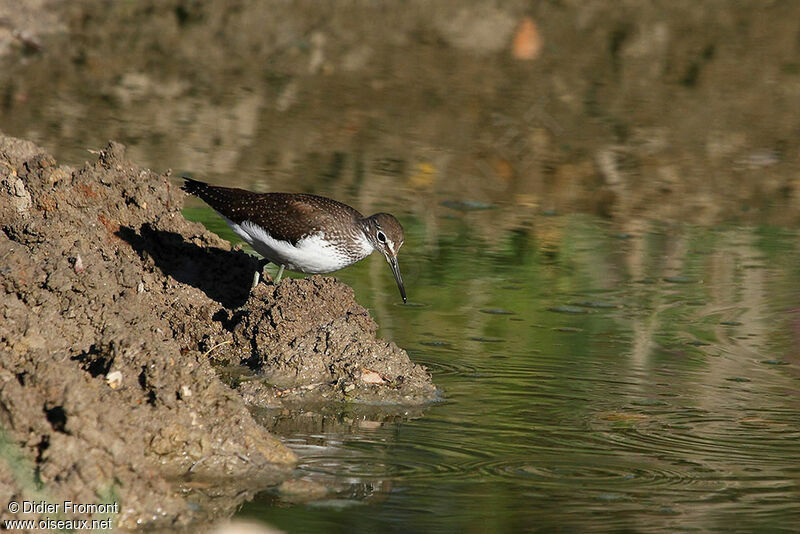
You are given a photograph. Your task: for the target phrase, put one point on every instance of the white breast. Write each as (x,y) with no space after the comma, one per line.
(312,254)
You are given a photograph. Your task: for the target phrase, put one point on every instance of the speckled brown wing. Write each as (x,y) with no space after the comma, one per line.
(285,216)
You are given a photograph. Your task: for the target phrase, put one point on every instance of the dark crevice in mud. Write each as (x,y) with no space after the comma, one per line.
(41,448)
(151,395)
(57,417)
(94,361)
(253,362)
(228,319)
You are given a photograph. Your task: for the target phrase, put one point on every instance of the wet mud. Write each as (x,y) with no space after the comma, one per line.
(131,346)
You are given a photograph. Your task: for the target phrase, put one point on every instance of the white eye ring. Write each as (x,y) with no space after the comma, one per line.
(381,237)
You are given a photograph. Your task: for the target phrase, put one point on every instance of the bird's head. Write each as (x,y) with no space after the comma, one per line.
(386,235)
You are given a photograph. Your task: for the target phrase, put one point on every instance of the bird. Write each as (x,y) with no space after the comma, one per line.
(303,232)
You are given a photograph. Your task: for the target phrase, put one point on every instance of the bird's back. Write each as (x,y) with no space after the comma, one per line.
(286,216)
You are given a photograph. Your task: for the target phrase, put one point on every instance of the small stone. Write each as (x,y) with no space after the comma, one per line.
(79,268)
(114,379)
(23,197)
(371,377)
(19,188)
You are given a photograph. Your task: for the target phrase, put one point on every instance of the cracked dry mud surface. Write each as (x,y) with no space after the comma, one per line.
(131,347)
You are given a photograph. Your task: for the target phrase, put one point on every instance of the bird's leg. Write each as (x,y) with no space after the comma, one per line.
(279,275)
(257,275)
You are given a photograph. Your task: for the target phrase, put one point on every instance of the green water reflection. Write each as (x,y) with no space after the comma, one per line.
(595,378)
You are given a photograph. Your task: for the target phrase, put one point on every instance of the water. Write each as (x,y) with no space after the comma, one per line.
(593,380)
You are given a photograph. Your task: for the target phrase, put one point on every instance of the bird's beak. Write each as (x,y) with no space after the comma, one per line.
(396,272)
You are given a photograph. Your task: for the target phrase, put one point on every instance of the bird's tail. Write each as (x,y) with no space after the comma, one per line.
(226,201)
(194,187)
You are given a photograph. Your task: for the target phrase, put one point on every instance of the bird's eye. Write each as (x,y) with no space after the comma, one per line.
(381,237)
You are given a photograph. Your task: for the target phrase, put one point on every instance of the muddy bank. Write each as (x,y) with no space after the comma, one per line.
(115,311)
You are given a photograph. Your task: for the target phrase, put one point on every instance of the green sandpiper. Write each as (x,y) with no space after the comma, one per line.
(301,232)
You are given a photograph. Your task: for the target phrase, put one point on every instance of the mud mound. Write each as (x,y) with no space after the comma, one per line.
(110,304)
(309,340)
(96,396)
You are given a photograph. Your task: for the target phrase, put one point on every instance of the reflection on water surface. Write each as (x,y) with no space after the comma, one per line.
(641,378)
